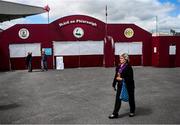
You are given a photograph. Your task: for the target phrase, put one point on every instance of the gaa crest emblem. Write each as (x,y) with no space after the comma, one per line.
(78,32)
(23,33)
(128,32)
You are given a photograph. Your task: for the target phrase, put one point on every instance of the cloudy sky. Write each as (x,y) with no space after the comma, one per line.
(140,12)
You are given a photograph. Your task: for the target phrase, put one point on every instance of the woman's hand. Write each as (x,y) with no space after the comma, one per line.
(118,78)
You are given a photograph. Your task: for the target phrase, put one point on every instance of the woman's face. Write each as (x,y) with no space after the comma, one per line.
(122,60)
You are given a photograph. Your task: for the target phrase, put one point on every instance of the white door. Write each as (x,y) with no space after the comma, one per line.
(172,50)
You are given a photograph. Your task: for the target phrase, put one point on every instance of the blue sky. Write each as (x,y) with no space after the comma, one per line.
(139,12)
(176,3)
(171,1)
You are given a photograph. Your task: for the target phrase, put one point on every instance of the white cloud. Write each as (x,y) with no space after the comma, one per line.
(140,12)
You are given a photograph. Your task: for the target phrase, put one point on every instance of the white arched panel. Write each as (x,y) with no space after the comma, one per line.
(17,50)
(66,48)
(121,48)
(78,48)
(21,50)
(91,48)
(132,48)
(135,48)
(35,48)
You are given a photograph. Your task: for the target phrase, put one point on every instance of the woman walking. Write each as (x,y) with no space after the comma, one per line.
(123,72)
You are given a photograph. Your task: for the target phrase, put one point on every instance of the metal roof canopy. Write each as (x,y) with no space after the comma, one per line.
(10,10)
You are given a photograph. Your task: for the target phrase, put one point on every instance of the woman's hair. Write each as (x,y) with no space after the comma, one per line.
(126,57)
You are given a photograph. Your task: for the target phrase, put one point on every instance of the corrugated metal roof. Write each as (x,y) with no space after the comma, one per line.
(10,10)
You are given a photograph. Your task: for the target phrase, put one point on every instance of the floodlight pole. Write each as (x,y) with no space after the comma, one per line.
(156,25)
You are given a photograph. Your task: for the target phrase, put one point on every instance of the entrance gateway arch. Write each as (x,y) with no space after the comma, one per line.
(79,41)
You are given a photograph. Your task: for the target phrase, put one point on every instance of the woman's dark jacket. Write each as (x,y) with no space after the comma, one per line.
(127,75)
(28,59)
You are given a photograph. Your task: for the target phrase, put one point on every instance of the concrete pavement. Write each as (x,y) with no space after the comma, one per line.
(85,96)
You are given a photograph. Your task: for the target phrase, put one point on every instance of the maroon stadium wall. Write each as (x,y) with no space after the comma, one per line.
(140,35)
(166,51)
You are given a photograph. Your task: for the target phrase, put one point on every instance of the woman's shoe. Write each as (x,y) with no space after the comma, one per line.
(131,114)
(112,116)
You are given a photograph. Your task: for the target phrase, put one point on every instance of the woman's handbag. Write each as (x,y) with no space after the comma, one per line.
(124,93)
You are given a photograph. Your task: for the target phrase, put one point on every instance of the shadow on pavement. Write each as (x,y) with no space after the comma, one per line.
(143,111)
(140,111)
(123,115)
(9,106)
